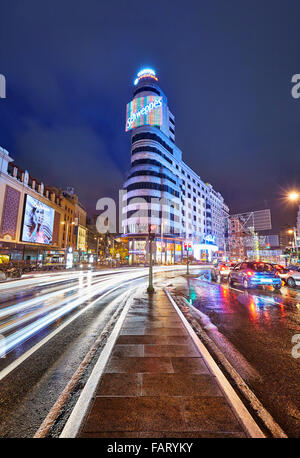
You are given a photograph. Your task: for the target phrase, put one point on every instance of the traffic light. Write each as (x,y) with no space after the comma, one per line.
(185,246)
(190,246)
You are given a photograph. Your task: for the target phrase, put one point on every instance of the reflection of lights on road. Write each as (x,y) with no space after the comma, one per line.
(253,309)
(282,309)
(192,295)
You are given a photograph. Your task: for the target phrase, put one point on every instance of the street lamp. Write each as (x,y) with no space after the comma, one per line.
(293,195)
(151,237)
(67,230)
(293,231)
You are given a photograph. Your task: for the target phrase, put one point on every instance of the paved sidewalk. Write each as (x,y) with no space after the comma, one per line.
(156,384)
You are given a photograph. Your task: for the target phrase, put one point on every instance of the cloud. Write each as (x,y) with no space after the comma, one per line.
(69,156)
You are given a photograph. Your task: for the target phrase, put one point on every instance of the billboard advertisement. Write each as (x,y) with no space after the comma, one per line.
(144,111)
(37,222)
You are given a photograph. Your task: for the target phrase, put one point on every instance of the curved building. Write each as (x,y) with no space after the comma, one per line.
(161,190)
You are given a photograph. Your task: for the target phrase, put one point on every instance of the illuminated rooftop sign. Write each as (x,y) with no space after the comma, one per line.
(145,73)
(144,111)
(209,239)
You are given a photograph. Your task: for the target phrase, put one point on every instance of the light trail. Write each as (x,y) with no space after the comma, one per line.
(48,312)
(71,302)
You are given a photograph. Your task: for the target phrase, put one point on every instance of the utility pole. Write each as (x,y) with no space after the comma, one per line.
(186,247)
(151,237)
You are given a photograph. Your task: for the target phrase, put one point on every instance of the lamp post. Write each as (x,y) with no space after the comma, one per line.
(67,234)
(294,196)
(151,237)
(293,231)
(187,261)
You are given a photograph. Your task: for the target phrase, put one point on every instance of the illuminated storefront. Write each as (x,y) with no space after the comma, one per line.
(166,252)
(207,250)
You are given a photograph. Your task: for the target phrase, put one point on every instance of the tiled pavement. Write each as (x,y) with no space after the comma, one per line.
(156,384)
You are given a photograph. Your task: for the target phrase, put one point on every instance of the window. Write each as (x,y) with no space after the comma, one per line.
(145,161)
(155,186)
(151,173)
(146,88)
(150,149)
(151,136)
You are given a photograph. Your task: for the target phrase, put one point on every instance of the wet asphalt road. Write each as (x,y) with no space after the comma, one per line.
(50,322)
(254,331)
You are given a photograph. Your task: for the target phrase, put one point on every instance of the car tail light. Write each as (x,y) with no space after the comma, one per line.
(222,268)
(249,273)
(277,274)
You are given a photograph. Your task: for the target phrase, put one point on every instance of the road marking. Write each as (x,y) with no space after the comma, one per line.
(36,347)
(74,422)
(63,397)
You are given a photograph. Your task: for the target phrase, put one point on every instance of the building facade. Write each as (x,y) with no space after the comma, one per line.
(236,240)
(163,191)
(37,223)
(30,215)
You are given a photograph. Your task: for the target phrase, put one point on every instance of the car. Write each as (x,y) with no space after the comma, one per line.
(253,274)
(293,278)
(282,271)
(221,271)
(293,267)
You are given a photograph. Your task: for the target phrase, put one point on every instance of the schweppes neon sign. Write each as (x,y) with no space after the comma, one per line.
(144,111)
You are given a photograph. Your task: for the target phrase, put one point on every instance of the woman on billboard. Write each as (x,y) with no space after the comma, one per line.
(38,222)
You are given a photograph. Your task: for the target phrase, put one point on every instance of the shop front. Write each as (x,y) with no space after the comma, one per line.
(31,254)
(168,251)
(50,257)
(206,251)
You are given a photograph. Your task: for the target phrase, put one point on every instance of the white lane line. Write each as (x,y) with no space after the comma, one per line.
(74,422)
(43,279)
(64,396)
(36,347)
(11,309)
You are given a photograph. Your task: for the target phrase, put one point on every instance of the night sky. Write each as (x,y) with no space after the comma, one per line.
(225,66)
